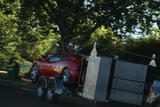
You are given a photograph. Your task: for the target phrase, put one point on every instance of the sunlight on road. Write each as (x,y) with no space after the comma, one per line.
(26,80)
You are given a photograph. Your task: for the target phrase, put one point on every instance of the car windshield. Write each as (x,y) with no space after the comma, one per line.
(58,58)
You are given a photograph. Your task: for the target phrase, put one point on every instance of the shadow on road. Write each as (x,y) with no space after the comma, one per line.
(16,94)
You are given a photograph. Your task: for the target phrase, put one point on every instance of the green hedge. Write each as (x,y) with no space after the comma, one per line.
(15,65)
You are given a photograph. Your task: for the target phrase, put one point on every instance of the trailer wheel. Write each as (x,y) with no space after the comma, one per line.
(156,103)
(51,96)
(40,88)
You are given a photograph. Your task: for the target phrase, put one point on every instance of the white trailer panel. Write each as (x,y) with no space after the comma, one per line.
(130,71)
(97,78)
(128,82)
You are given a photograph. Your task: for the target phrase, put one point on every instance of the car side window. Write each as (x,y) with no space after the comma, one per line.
(58,58)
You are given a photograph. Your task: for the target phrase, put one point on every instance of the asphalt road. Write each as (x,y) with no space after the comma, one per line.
(17,95)
(21,95)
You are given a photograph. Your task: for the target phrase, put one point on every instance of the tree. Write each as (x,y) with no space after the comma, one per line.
(22,39)
(155,34)
(74,18)
(124,16)
(8,26)
(8,31)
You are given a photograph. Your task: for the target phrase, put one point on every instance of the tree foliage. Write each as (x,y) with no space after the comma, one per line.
(8,26)
(83,17)
(29,28)
(22,38)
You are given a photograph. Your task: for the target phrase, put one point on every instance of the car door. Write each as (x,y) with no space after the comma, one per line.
(51,66)
(61,64)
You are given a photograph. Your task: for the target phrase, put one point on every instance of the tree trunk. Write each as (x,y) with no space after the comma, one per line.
(62,44)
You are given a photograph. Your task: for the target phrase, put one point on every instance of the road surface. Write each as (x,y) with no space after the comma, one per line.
(13,95)
(18,95)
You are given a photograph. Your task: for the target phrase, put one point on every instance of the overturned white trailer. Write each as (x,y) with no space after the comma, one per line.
(116,80)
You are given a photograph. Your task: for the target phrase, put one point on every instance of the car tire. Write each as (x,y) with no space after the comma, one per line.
(51,96)
(41,88)
(66,75)
(34,73)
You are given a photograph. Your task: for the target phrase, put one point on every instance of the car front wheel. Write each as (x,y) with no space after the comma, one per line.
(34,73)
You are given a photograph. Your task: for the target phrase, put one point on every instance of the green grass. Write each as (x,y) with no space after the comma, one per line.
(24,69)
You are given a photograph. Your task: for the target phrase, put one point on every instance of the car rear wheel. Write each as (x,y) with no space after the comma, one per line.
(51,96)
(34,73)
(41,89)
(66,75)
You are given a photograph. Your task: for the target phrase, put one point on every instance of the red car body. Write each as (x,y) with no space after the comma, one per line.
(56,64)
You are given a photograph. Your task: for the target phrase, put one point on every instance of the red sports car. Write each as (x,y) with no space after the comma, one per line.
(65,65)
